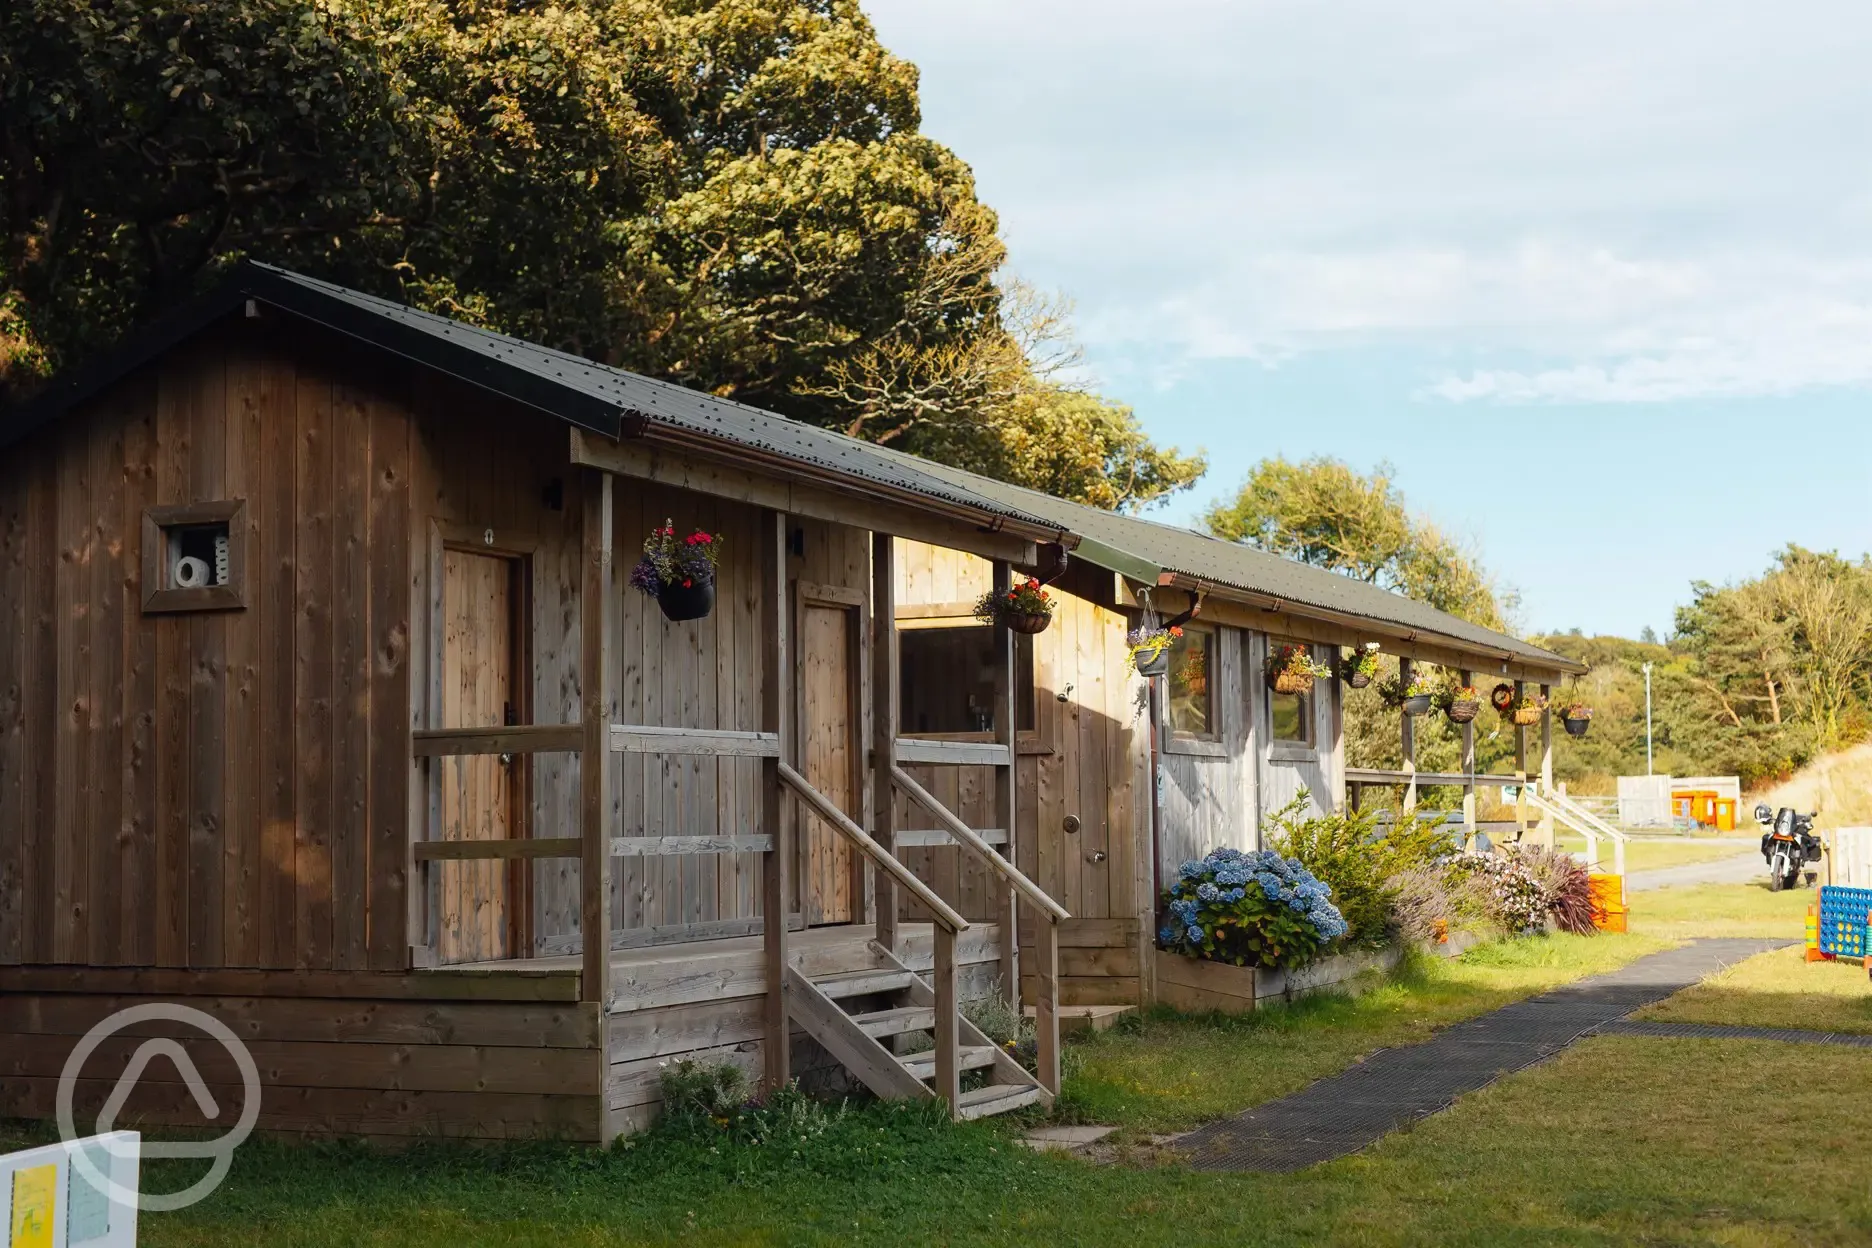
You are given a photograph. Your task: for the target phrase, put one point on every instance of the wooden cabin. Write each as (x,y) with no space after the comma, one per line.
(326,707)
(1124,778)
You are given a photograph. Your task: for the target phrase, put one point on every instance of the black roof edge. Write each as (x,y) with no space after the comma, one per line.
(87,380)
(249,281)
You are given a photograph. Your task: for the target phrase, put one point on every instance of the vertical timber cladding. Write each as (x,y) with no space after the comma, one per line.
(1087,758)
(222,788)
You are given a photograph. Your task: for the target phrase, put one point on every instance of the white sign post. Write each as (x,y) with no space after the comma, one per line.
(72,1195)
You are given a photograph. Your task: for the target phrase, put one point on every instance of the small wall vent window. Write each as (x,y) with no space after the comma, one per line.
(194,558)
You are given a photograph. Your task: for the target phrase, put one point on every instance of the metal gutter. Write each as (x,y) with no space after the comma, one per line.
(1369,624)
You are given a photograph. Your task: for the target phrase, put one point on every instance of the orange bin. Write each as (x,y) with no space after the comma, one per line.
(1608,902)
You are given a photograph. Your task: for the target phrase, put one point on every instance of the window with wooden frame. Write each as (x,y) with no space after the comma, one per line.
(1290,715)
(1189,690)
(195,557)
(947,669)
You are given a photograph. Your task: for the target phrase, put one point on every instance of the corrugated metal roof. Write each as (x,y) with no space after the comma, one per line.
(678,407)
(591,395)
(1140,548)
(598,397)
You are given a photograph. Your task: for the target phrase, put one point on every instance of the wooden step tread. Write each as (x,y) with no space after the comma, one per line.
(971,1057)
(863,983)
(998,1098)
(896,1021)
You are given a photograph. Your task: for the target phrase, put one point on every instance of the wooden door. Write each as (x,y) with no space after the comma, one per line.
(477,899)
(829,757)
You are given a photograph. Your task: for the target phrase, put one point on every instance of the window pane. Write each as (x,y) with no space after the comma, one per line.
(1191,700)
(1291,714)
(948,679)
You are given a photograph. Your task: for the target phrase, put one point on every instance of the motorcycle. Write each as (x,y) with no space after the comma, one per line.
(1788,844)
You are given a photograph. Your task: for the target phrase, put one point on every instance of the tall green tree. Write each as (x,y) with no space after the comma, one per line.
(729,193)
(1323,512)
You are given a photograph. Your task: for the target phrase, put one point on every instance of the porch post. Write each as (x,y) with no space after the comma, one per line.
(1520,765)
(1468,766)
(1006,779)
(886,712)
(1407,730)
(1546,765)
(776,869)
(595,682)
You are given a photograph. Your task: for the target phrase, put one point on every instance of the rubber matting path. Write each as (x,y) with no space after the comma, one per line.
(1721,1031)
(1396,1087)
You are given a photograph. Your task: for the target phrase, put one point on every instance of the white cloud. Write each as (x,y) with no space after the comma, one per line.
(1584,200)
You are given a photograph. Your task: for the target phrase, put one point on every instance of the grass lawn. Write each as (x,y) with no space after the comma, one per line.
(1778,989)
(1619,1139)
(1651,854)
(1169,1072)
(1720,910)
(1608,1144)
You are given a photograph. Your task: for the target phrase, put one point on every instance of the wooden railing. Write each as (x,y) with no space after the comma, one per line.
(1046,936)
(948,922)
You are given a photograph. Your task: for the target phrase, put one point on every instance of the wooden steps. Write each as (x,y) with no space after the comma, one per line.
(972,1057)
(1083,1019)
(862,983)
(860,1016)
(999,1098)
(896,1021)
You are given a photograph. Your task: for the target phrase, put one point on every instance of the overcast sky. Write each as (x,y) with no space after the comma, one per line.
(1596,277)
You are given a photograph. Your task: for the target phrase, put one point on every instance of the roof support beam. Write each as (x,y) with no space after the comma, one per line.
(1225,605)
(849,503)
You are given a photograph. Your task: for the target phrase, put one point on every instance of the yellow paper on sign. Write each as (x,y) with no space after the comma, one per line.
(34,1191)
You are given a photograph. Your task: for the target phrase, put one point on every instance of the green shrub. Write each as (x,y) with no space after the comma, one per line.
(715,1099)
(1366,867)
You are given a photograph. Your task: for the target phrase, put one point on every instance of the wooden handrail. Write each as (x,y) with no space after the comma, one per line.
(966,836)
(952,753)
(826,810)
(1426,779)
(716,742)
(513,739)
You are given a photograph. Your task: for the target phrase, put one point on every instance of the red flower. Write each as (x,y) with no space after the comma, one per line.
(1176,630)
(687,583)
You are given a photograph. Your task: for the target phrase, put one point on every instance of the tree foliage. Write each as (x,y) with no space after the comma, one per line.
(732,194)
(1323,512)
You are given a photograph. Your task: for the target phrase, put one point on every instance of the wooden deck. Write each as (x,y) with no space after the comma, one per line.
(705,1000)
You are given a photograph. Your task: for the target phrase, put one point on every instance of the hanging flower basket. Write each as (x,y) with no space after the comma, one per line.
(1413,698)
(689,599)
(1025,608)
(1460,702)
(1576,718)
(679,572)
(1501,697)
(1150,649)
(1359,668)
(1525,711)
(1292,669)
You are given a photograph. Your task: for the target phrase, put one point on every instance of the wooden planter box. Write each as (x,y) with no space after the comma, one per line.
(1195,985)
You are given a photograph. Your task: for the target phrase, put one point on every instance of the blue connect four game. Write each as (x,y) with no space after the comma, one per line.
(1843,920)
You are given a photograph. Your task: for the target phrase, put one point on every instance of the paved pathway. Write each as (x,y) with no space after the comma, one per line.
(1744,867)
(1396,1087)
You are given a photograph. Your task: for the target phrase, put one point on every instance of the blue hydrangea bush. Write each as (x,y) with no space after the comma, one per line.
(1249,909)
